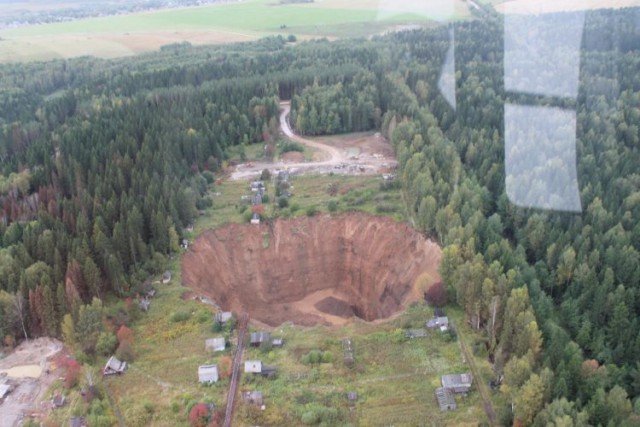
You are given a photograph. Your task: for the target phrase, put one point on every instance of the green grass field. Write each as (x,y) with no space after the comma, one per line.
(248,20)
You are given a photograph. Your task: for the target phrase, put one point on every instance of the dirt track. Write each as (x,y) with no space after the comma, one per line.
(312,270)
(336,160)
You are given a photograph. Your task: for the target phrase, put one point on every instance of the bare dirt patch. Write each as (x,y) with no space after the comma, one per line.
(312,270)
(293,157)
(29,372)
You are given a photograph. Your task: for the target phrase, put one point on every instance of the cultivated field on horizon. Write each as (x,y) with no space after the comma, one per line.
(124,35)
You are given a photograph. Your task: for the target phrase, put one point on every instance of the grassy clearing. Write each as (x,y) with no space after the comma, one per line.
(394,377)
(169,348)
(311,194)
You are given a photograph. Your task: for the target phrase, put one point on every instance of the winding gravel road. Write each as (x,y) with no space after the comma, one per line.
(334,157)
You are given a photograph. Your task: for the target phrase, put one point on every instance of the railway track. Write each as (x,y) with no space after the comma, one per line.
(243,321)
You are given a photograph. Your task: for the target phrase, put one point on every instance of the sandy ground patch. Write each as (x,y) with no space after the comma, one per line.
(351,154)
(24,371)
(29,372)
(112,45)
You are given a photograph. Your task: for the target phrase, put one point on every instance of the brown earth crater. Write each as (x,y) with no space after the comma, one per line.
(313,270)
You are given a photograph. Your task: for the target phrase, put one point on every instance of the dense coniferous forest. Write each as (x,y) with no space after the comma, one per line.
(104,164)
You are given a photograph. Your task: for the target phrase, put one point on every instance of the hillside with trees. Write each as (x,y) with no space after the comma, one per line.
(105,163)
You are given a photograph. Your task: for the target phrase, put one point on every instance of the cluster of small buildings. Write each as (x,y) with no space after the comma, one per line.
(208,374)
(145,298)
(452,385)
(438,323)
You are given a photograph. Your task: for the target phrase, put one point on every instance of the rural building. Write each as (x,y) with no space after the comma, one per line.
(58,401)
(438,312)
(445,399)
(166,277)
(215,344)
(255,219)
(438,323)
(268,371)
(277,342)
(78,422)
(256,367)
(5,389)
(114,366)
(457,383)
(257,187)
(184,244)
(256,199)
(257,338)
(144,304)
(416,333)
(252,367)
(347,350)
(283,176)
(207,374)
(223,316)
(252,397)
(151,292)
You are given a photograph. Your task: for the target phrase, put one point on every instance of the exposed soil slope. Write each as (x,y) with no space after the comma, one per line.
(311,270)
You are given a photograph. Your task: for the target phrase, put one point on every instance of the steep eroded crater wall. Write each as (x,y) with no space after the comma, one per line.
(321,269)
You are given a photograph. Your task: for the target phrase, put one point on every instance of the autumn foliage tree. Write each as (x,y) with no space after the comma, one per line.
(199,415)
(436,295)
(72,372)
(125,341)
(224,367)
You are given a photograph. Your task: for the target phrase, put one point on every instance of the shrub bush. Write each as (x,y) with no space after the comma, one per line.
(289,146)
(180,316)
(283,202)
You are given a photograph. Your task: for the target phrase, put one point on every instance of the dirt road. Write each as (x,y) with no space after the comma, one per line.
(336,160)
(335,157)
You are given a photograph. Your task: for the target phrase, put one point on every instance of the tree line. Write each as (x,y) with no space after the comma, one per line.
(104,163)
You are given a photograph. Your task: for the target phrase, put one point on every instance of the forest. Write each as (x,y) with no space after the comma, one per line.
(105,163)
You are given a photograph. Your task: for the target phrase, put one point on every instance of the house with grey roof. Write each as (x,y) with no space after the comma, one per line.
(257,338)
(445,398)
(5,389)
(207,374)
(166,277)
(215,344)
(256,367)
(438,323)
(223,316)
(252,366)
(114,367)
(457,383)
(416,333)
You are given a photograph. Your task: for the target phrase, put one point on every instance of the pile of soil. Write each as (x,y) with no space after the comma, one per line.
(309,270)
